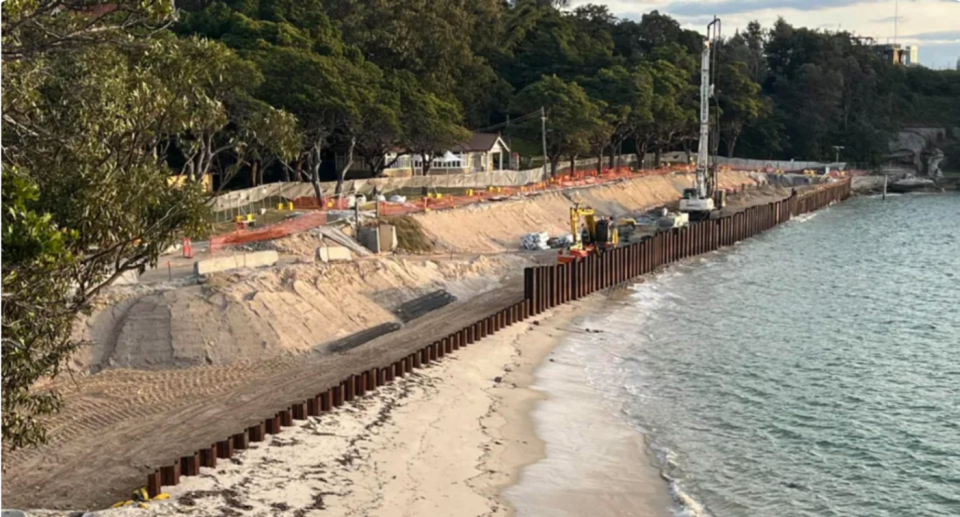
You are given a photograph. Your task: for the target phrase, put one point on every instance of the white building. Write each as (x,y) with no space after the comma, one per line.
(483,152)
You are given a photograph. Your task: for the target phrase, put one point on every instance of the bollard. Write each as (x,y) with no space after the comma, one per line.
(348,386)
(360,384)
(225,449)
(286,417)
(257,433)
(240,441)
(190,465)
(170,474)
(300,411)
(273,424)
(208,457)
(338,396)
(153,484)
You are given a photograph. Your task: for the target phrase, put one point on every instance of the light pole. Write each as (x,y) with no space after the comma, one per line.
(838,148)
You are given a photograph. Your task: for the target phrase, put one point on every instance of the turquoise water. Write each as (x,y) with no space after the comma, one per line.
(811,371)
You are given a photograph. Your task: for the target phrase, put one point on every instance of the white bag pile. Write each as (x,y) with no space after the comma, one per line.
(535,241)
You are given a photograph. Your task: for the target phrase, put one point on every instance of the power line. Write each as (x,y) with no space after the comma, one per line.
(521,118)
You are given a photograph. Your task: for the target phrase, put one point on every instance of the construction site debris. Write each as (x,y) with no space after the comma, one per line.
(342,239)
(333,254)
(416,308)
(535,241)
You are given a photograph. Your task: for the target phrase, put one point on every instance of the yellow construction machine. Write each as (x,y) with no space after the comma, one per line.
(597,235)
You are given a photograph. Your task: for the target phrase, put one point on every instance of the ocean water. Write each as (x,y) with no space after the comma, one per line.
(811,371)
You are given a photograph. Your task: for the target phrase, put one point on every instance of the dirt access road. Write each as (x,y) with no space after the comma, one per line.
(120,425)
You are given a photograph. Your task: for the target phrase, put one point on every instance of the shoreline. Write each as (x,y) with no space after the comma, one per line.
(595,463)
(448,440)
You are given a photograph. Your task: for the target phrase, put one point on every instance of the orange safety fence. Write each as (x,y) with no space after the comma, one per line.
(318,215)
(567,179)
(274,231)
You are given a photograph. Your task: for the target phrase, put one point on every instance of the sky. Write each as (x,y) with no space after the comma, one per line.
(934,25)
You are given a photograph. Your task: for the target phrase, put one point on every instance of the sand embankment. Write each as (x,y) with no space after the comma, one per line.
(262,314)
(497,227)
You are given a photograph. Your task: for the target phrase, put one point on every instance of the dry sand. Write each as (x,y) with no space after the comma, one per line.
(444,442)
(259,315)
(497,227)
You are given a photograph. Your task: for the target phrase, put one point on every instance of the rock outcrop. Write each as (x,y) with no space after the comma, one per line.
(920,148)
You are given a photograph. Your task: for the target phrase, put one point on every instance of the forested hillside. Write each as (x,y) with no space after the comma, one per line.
(393,73)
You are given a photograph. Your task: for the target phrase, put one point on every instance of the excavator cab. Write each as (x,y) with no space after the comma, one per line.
(597,235)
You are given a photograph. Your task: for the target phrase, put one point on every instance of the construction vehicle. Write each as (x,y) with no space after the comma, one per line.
(670,219)
(704,200)
(598,235)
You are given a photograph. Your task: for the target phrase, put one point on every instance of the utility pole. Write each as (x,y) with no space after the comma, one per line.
(837,148)
(896,20)
(543,133)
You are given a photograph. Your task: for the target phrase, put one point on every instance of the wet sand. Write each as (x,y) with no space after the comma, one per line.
(595,464)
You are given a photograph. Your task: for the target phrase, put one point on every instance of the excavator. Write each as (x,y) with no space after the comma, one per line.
(599,234)
(704,200)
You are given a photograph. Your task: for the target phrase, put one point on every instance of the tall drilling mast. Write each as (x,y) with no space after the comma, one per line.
(703,149)
(698,201)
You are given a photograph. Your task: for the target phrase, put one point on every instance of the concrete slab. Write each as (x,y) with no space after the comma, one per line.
(256,259)
(388,238)
(333,254)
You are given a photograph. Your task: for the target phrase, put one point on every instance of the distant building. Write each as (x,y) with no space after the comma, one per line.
(958,64)
(894,53)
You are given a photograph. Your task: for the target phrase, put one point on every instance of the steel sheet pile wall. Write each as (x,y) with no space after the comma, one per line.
(544,287)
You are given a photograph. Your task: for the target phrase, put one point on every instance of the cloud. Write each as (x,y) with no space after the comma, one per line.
(723,7)
(890,19)
(936,36)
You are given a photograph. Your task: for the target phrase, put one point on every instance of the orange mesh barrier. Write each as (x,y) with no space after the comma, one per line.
(274,231)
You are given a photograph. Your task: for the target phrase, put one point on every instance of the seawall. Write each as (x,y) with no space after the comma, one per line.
(545,287)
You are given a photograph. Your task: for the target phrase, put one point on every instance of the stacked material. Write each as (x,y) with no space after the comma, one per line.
(562,241)
(535,241)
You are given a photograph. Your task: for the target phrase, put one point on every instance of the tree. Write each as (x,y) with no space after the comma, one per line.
(572,118)
(627,96)
(89,196)
(430,123)
(740,102)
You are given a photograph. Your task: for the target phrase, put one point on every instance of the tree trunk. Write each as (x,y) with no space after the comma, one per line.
(732,142)
(427,162)
(600,162)
(315,162)
(656,157)
(253,173)
(299,169)
(554,164)
(573,164)
(346,168)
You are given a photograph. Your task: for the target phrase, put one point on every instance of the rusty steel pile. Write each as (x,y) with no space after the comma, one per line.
(544,287)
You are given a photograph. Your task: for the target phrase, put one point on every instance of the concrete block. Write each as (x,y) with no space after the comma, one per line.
(257,259)
(370,238)
(333,254)
(131,277)
(388,237)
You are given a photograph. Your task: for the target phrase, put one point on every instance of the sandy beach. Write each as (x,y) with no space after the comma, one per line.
(448,440)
